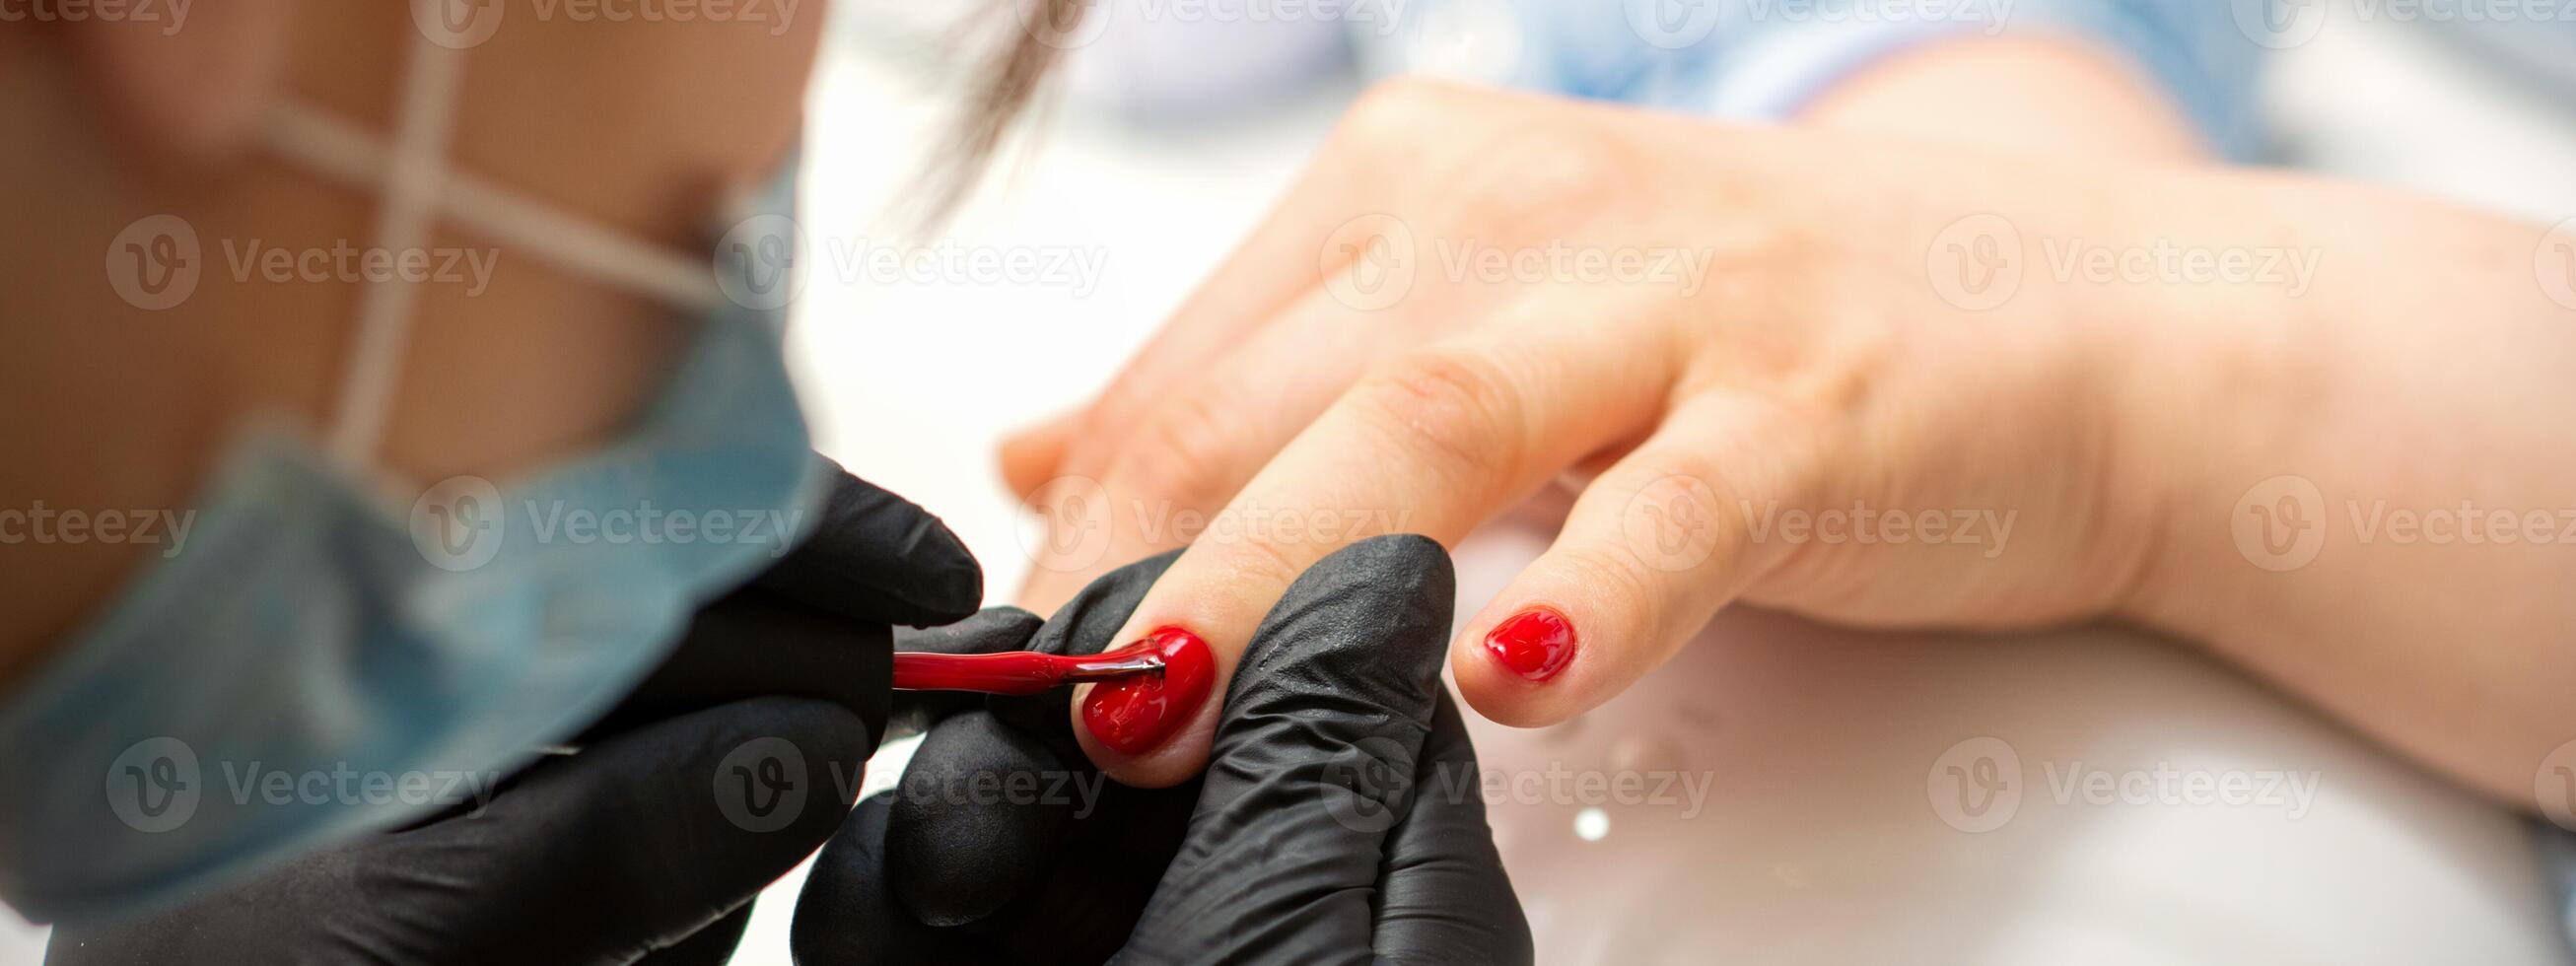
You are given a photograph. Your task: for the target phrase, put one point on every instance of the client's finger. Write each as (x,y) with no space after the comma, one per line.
(1302,241)
(1435,444)
(1170,470)
(1652,549)
(1311,766)
(956,854)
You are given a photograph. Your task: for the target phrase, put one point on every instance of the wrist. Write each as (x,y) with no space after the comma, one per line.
(2215,386)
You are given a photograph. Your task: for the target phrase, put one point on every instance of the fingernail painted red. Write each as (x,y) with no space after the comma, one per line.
(1133,715)
(1535,643)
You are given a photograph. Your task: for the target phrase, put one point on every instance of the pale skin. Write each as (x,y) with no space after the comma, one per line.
(2121,420)
(637,125)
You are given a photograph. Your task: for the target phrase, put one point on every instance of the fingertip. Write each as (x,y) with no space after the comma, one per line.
(1029,457)
(1175,761)
(955,854)
(1493,693)
(1507,694)
(1153,731)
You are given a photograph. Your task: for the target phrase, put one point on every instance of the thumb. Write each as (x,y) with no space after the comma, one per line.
(1312,764)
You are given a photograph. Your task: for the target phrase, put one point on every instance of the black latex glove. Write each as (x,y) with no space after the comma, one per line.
(652,841)
(1322,830)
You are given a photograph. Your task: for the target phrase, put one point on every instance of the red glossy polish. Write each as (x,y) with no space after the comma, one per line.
(1535,643)
(1132,715)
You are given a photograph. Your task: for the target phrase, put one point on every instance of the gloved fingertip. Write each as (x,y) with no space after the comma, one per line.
(985,631)
(844,915)
(975,820)
(951,583)
(1372,619)
(1404,561)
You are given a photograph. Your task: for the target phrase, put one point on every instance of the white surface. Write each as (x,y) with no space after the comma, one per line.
(1832,831)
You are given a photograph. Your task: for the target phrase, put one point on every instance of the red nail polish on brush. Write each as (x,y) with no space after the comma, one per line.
(1535,643)
(1132,715)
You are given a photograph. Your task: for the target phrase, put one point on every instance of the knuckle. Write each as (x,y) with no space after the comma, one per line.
(1244,561)
(1542,177)
(1457,410)
(1393,111)
(1617,575)
(1181,455)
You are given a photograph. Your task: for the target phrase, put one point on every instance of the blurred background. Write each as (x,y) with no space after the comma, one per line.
(1820,753)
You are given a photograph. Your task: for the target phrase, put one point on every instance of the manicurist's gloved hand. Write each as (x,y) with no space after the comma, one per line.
(726,768)
(1339,818)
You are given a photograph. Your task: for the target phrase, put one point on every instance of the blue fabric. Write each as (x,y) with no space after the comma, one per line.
(1764,59)
(2558,865)
(384,661)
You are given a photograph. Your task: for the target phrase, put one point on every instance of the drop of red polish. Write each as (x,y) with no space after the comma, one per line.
(1535,643)
(1133,715)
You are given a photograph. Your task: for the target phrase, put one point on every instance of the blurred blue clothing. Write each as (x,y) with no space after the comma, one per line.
(1764,59)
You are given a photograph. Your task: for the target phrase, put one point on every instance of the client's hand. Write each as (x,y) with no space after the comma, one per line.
(1870,380)
(1339,818)
(648,844)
